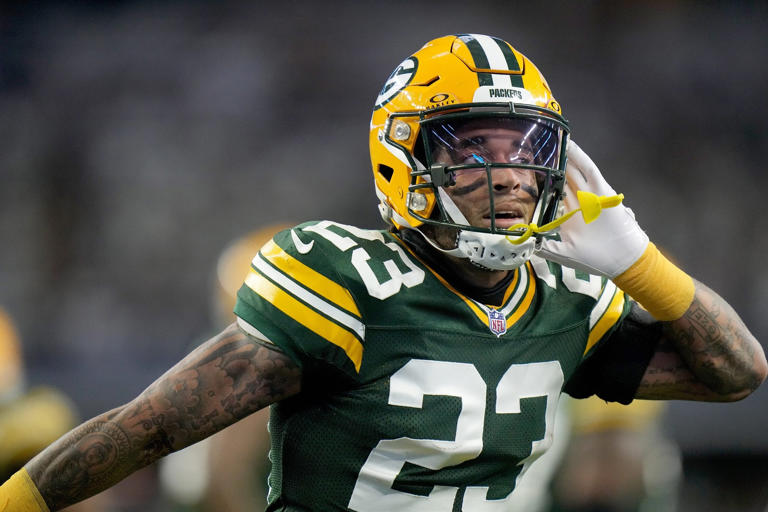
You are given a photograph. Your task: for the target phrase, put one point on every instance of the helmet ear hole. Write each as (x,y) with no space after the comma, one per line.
(386,171)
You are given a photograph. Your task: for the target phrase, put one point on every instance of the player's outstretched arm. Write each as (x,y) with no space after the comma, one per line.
(707,354)
(222,381)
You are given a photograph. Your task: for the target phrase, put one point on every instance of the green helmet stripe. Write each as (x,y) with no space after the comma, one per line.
(512,64)
(479,57)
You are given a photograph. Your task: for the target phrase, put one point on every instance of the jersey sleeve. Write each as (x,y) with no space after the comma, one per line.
(615,368)
(606,315)
(295,298)
(619,344)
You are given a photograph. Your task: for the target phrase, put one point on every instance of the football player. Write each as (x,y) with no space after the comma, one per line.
(419,368)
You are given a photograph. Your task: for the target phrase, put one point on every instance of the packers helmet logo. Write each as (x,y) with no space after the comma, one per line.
(397,81)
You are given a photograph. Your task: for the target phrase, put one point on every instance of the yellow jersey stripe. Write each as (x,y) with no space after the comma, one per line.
(309,278)
(527,300)
(307,316)
(607,319)
(604,299)
(511,287)
(318,303)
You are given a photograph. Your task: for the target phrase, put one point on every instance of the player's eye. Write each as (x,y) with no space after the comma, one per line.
(473,158)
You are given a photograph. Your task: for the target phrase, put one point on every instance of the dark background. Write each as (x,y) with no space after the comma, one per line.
(138,138)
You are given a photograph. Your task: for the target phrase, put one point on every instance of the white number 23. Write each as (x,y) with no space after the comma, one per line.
(373,490)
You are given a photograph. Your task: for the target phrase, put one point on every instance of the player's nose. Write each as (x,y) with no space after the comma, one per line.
(506,178)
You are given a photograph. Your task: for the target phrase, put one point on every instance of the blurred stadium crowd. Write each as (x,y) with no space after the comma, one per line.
(139,138)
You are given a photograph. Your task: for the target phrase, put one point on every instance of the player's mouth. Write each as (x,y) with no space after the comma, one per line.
(505,218)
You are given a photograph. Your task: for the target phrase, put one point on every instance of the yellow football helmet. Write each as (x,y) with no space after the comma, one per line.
(232,269)
(452,81)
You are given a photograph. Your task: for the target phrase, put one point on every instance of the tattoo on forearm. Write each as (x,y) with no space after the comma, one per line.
(715,344)
(668,375)
(219,383)
(705,321)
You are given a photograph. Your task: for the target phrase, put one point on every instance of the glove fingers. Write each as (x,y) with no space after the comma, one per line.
(584,173)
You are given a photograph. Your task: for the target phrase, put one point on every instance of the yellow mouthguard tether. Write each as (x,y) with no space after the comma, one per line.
(590,207)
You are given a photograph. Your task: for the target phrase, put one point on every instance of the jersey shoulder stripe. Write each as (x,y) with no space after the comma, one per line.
(348,340)
(523,295)
(606,314)
(304,295)
(308,277)
(606,305)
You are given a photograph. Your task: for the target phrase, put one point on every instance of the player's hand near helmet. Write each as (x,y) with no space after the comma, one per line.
(607,246)
(614,245)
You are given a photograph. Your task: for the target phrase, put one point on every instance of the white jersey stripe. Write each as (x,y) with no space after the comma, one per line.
(514,301)
(310,298)
(252,331)
(522,286)
(602,304)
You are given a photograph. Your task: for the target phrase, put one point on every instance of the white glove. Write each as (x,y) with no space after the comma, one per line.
(607,246)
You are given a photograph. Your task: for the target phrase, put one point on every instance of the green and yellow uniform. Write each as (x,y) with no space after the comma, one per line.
(414,395)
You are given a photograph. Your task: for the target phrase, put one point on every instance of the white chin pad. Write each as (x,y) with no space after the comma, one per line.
(494,252)
(486,250)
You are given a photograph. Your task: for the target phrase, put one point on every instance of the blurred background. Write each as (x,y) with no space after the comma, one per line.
(139,138)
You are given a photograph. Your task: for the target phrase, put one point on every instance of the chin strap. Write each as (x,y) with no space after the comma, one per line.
(590,207)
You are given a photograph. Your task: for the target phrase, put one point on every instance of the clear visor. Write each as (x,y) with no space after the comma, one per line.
(495,140)
(503,162)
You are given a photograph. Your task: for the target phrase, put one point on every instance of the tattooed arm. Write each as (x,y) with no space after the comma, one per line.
(225,379)
(708,354)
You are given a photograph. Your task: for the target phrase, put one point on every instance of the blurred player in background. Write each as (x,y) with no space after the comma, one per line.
(419,368)
(618,459)
(238,460)
(30,418)
(228,472)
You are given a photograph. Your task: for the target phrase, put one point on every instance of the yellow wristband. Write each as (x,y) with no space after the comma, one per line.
(658,285)
(19,494)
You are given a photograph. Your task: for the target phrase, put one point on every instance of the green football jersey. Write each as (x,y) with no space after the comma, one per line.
(414,396)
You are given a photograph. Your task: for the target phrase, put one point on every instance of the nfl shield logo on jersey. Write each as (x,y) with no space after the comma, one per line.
(496,322)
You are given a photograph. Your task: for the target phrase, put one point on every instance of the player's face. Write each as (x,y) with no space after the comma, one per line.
(515,190)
